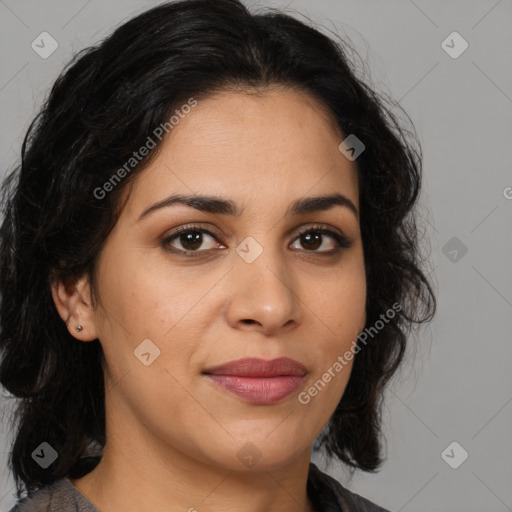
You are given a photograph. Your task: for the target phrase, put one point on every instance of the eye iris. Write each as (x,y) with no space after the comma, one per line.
(313,240)
(191,237)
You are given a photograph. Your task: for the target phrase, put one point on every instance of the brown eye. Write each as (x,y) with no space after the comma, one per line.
(189,239)
(313,239)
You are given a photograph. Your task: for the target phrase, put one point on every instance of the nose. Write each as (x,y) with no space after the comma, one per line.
(262,295)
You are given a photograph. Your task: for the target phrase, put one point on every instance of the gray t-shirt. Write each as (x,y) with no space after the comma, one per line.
(326,494)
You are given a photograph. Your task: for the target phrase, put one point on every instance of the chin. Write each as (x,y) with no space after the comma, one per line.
(260,454)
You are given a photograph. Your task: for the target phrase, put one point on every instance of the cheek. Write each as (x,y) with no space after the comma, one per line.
(340,315)
(139,297)
(151,301)
(341,305)
(143,302)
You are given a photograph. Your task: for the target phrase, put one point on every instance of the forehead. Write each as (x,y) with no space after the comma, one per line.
(272,146)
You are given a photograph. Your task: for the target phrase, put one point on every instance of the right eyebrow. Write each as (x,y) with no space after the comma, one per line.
(209,204)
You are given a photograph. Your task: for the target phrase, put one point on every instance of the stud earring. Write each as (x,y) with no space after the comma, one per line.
(78,328)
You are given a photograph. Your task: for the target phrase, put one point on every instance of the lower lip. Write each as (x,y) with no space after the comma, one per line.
(259,390)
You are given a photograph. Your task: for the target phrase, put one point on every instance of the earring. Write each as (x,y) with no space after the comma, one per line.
(78,328)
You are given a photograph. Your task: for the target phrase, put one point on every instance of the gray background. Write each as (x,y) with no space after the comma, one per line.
(457,383)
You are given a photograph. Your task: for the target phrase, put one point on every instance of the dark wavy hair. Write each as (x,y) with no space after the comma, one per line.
(103,106)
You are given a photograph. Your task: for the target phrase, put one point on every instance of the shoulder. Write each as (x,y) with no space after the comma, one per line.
(330,496)
(58,496)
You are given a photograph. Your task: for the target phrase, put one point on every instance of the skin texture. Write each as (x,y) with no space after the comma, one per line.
(172,435)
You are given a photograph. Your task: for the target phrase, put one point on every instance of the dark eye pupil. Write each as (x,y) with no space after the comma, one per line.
(191,240)
(313,240)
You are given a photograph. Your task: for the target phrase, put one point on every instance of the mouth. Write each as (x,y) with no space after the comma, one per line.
(259,381)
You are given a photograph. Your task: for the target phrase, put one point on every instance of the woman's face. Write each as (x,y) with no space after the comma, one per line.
(253,288)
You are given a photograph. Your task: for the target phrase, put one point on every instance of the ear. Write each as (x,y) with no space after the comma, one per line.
(74,305)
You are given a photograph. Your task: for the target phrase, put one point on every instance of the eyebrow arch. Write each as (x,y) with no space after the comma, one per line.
(218,205)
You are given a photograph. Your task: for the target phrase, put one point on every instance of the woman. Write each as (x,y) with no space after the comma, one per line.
(209,262)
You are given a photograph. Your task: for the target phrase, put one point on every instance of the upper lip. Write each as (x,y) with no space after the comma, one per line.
(255,367)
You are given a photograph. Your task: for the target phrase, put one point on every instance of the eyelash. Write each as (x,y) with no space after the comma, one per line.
(342,242)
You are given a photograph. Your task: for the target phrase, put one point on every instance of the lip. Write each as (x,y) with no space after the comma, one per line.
(259,381)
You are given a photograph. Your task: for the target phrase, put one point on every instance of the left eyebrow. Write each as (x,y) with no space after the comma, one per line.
(219,205)
(321,203)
